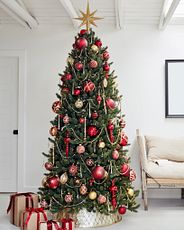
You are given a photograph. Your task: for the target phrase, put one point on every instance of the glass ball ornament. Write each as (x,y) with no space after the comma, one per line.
(79,104)
(83,189)
(68,198)
(98,172)
(63,178)
(92,195)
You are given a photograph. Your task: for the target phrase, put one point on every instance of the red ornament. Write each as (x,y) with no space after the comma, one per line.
(125,170)
(93,64)
(99,99)
(68,198)
(113,190)
(65,90)
(82,32)
(53,182)
(81,43)
(91,182)
(78,66)
(106,55)
(80,149)
(98,172)
(83,189)
(110,103)
(73,170)
(67,141)
(132,175)
(115,154)
(82,120)
(56,106)
(94,115)
(101,199)
(67,77)
(48,166)
(124,140)
(66,119)
(53,131)
(106,67)
(89,86)
(98,43)
(89,162)
(77,92)
(110,128)
(92,131)
(122,210)
(122,123)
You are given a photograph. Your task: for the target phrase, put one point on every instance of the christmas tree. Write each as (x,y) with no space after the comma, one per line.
(88,167)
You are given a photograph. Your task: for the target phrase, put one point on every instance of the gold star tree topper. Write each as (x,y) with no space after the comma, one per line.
(88,18)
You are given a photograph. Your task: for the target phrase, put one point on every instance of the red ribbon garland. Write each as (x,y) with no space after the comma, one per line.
(67,141)
(111,128)
(65,221)
(113,189)
(31,211)
(28,196)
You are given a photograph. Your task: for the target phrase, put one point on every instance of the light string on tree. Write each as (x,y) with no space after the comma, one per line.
(68,206)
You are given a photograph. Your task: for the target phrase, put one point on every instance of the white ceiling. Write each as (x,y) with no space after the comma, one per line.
(119,13)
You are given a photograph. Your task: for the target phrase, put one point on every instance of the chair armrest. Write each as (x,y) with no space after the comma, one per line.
(142,150)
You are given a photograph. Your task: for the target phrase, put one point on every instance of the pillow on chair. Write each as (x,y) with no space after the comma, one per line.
(165,148)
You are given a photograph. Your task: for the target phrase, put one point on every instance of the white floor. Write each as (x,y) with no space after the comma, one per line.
(163,214)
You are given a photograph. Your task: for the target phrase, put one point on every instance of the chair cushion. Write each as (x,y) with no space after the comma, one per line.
(163,148)
(166,169)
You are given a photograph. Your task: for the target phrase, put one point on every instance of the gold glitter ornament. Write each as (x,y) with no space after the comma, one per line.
(130,192)
(63,178)
(70,60)
(101,144)
(94,48)
(79,104)
(92,195)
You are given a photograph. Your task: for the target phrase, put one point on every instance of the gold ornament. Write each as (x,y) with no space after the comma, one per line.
(106,174)
(94,48)
(130,191)
(77,181)
(101,144)
(44,182)
(70,60)
(63,178)
(105,83)
(79,104)
(88,18)
(92,195)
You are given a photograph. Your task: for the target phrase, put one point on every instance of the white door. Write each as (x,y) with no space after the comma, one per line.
(8,123)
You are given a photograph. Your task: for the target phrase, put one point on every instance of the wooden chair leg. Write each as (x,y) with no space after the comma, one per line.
(144,190)
(182,193)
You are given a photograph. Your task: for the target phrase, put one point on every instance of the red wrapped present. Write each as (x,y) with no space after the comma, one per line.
(68,224)
(50,225)
(18,203)
(31,218)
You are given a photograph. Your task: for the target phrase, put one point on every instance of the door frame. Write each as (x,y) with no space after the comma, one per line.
(22,77)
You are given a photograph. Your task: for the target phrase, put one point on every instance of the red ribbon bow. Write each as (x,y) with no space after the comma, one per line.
(65,221)
(31,211)
(113,189)
(56,225)
(28,196)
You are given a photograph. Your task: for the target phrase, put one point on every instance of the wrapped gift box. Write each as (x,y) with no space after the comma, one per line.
(31,218)
(18,203)
(68,224)
(50,225)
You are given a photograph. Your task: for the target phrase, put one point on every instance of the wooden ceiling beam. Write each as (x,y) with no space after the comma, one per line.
(71,12)
(118,14)
(15,10)
(165,19)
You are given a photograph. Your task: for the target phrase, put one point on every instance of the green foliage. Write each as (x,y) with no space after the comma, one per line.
(98,148)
